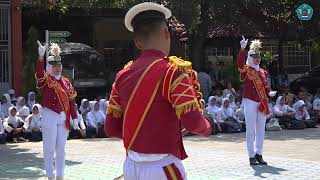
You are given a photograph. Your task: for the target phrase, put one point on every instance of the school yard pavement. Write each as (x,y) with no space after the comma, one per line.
(291,155)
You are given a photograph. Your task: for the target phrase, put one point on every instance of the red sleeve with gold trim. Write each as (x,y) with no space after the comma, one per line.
(241,63)
(178,90)
(72,101)
(114,119)
(40,74)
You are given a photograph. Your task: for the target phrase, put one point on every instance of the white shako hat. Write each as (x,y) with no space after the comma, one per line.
(54,58)
(144,13)
(255,48)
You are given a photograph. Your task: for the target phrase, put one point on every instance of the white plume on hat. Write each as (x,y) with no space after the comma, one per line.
(254,49)
(55,49)
(255,46)
(54,52)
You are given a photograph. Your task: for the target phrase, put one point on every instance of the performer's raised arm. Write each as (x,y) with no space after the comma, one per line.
(241,55)
(40,72)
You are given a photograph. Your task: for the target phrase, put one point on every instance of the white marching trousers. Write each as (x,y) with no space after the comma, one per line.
(151,170)
(255,127)
(54,133)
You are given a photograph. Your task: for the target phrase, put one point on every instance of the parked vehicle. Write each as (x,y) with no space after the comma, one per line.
(311,80)
(85,67)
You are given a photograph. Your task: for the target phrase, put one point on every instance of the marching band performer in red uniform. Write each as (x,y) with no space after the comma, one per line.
(58,101)
(153,98)
(256,89)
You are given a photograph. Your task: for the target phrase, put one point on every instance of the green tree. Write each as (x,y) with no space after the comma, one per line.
(29,59)
(276,16)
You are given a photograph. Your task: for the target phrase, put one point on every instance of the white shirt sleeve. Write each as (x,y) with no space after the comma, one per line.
(81,122)
(290,109)
(90,119)
(277,111)
(6,125)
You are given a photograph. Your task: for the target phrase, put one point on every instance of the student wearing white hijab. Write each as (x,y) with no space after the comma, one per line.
(23,113)
(96,118)
(21,102)
(12,96)
(101,104)
(226,110)
(84,109)
(301,111)
(1,113)
(33,123)
(303,115)
(213,109)
(6,104)
(232,103)
(284,113)
(31,100)
(3,135)
(230,123)
(282,110)
(14,126)
(78,129)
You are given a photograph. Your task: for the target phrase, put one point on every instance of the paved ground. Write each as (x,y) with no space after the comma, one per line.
(291,155)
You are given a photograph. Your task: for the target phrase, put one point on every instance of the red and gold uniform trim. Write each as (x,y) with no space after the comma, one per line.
(114,108)
(172,172)
(183,92)
(140,101)
(64,96)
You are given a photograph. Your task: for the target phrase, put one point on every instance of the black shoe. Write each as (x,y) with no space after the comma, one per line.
(260,159)
(253,161)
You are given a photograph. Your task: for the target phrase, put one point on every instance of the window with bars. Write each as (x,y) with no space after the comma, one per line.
(295,56)
(218,54)
(273,49)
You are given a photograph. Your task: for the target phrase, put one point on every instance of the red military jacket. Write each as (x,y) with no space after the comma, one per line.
(160,132)
(52,97)
(250,91)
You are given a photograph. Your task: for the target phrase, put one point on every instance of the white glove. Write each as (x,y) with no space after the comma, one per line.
(272,93)
(243,43)
(42,49)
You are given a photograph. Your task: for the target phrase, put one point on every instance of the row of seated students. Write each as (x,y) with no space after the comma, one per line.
(17,127)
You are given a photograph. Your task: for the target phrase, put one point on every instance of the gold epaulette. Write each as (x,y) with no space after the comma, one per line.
(182,65)
(128,65)
(73,95)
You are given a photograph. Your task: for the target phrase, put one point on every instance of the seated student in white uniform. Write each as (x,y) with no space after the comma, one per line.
(14,126)
(3,135)
(1,113)
(240,114)
(283,112)
(31,100)
(316,108)
(230,124)
(6,104)
(23,113)
(302,114)
(84,110)
(96,119)
(77,127)
(21,102)
(213,111)
(12,96)
(33,124)
(232,102)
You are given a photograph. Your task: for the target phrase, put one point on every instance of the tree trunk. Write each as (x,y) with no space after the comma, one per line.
(199,36)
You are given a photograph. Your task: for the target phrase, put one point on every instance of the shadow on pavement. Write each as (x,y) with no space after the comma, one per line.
(16,163)
(259,170)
